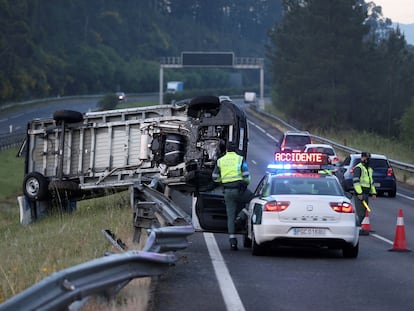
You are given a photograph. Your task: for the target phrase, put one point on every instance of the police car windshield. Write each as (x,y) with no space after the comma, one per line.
(295,184)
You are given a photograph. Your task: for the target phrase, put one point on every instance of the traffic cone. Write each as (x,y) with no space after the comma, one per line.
(365,225)
(400,244)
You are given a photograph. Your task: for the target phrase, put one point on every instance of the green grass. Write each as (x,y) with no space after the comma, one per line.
(30,253)
(11,173)
(371,142)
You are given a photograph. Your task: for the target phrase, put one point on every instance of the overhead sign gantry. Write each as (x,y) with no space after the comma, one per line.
(212,60)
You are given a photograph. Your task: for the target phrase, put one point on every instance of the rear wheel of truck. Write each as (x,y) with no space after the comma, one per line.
(35,186)
(69,116)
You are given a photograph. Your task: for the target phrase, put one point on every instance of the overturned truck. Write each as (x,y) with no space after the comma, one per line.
(74,156)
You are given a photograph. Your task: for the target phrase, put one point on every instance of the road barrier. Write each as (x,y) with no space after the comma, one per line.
(12,140)
(66,289)
(397,164)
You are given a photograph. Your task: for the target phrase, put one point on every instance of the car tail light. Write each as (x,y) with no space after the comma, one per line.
(389,172)
(342,207)
(282,146)
(276,206)
(352,170)
(334,160)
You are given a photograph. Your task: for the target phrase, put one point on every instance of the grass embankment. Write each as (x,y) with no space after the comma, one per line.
(32,252)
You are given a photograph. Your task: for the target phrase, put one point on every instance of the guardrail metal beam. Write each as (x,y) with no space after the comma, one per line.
(397,164)
(99,276)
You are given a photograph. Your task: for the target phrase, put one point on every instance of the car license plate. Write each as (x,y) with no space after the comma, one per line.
(377,185)
(309,231)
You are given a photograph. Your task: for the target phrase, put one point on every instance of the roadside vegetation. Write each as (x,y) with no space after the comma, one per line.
(30,253)
(362,140)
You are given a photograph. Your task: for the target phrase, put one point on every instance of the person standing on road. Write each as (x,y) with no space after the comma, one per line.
(232,172)
(363,186)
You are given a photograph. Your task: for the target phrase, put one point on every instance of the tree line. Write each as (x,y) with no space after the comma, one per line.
(51,48)
(327,66)
(331,71)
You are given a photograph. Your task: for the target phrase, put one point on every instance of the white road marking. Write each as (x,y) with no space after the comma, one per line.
(228,290)
(263,131)
(382,238)
(405,196)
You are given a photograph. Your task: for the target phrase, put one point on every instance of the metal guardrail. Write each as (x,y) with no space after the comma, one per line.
(169,212)
(12,140)
(397,164)
(104,275)
(64,98)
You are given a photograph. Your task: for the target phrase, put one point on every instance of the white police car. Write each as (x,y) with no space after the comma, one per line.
(295,205)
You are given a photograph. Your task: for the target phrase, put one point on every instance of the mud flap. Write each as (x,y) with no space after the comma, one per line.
(25,212)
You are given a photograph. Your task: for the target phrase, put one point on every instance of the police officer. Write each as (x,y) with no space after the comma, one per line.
(232,172)
(363,186)
(325,171)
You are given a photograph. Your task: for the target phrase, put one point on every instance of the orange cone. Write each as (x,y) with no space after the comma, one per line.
(400,244)
(365,225)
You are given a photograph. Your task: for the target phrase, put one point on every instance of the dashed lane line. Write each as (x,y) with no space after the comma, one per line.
(228,289)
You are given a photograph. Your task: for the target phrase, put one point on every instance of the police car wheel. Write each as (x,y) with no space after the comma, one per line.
(350,251)
(257,249)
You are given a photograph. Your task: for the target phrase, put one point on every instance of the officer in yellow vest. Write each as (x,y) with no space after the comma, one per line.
(232,172)
(363,186)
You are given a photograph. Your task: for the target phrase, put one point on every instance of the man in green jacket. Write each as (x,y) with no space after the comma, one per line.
(363,186)
(232,172)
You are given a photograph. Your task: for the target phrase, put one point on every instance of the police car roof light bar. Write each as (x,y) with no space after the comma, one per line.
(309,161)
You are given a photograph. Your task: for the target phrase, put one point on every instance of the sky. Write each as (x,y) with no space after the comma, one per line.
(399,11)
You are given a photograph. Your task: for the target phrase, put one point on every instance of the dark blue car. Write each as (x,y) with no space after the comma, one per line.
(384,178)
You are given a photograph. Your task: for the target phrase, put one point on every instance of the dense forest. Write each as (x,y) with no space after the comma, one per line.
(51,48)
(331,69)
(326,64)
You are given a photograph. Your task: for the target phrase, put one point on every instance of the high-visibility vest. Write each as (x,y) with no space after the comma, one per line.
(365,180)
(230,167)
(325,171)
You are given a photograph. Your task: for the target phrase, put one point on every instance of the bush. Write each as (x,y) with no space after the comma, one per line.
(109,101)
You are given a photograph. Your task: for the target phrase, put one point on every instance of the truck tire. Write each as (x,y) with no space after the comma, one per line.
(35,186)
(69,116)
(174,149)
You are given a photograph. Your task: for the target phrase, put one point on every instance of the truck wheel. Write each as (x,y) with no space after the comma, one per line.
(69,116)
(35,186)
(174,149)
